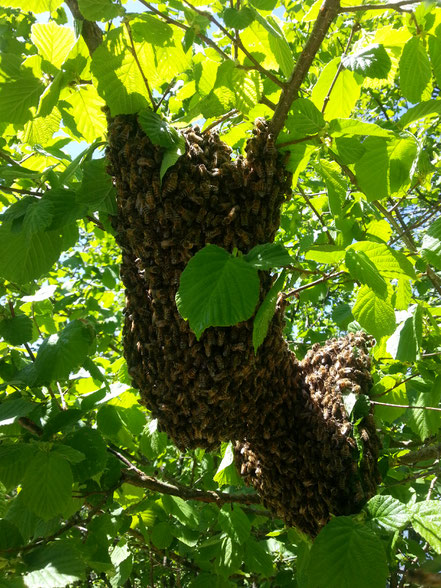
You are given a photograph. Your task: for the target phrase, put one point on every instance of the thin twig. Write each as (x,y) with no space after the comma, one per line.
(396,385)
(380,104)
(236,39)
(316,212)
(166,92)
(311,284)
(431,487)
(389,6)
(19,191)
(355,27)
(295,141)
(220,120)
(141,71)
(406,406)
(328,12)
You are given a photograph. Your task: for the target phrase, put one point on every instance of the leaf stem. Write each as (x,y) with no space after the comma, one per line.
(390,6)
(316,212)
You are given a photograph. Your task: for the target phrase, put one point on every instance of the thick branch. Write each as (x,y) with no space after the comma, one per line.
(91,32)
(328,12)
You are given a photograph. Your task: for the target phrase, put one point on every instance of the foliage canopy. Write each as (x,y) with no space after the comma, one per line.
(90,489)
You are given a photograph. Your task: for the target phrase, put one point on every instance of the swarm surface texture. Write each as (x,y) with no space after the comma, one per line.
(296,444)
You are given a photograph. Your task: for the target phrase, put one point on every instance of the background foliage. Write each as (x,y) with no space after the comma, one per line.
(91,493)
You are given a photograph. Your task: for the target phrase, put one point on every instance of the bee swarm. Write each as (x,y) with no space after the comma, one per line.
(296,446)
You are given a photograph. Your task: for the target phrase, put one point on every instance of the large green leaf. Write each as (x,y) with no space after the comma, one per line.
(13,408)
(435,57)
(431,245)
(403,153)
(63,352)
(23,260)
(53,42)
(426,520)
(372,169)
(47,485)
(229,556)
(55,565)
(347,554)
(99,9)
(16,330)
(36,6)
(340,127)
(268,256)
(266,312)
(405,343)
(158,130)
(162,535)
(390,263)
(258,559)
(18,97)
(217,290)
(97,191)
(424,423)
(362,268)
(421,110)
(304,119)
(335,183)
(415,71)
(373,313)
(14,461)
(277,43)
(238,19)
(235,523)
(184,511)
(91,444)
(149,28)
(388,512)
(344,94)
(370,62)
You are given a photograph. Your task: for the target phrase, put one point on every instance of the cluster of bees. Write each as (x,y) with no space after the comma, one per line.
(217,389)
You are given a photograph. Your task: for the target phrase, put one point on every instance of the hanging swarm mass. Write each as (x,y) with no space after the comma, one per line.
(298,447)
(197,389)
(305,467)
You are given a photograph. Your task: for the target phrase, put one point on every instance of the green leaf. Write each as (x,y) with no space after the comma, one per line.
(426,520)
(229,556)
(340,127)
(372,169)
(109,420)
(407,338)
(148,28)
(53,42)
(63,352)
(268,256)
(235,523)
(23,260)
(266,312)
(171,156)
(345,91)
(226,473)
(388,512)
(257,558)
(391,393)
(16,330)
(335,183)
(162,535)
(18,97)
(54,565)
(421,110)
(182,510)
(374,314)
(325,254)
(431,244)
(424,423)
(304,119)
(10,536)
(390,263)
(47,485)
(97,190)
(435,57)
(39,216)
(363,269)
(403,154)
(158,130)
(36,6)
(370,62)
(217,289)
(14,460)
(277,43)
(91,444)
(99,9)
(346,554)
(415,70)
(238,19)
(14,408)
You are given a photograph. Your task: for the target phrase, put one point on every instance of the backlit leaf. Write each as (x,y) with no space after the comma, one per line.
(415,71)
(373,313)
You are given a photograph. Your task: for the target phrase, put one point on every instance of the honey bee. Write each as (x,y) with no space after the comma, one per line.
(170,183)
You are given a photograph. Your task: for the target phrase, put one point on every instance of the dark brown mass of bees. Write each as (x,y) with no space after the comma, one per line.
(297,445)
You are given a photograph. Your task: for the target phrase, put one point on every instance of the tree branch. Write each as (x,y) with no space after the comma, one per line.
(406,406)
(328,12)
(137,477)
(90,31)
(390,6)
(141,71)
(311,284)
